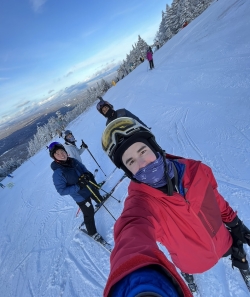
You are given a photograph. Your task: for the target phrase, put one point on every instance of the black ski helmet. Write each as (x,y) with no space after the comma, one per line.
(53,147)
(120,134)
(103,103)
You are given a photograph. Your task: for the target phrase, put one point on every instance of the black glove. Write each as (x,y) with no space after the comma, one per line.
(91,176)
(83,180)
(84,145)
(239,231)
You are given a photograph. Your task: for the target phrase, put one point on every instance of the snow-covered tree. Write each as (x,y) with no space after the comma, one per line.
(9,165)
(104,86)
(186,12)
(141,47)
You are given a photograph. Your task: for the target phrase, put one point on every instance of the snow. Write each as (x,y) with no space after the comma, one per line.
(197,102)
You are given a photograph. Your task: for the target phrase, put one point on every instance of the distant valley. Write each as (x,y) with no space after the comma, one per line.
(14,140)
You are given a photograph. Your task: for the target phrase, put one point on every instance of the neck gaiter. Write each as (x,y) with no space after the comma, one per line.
(153,174)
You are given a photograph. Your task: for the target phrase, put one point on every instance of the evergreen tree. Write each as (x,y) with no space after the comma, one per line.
(186,13)
(104,86)
(161,36)
(142,47)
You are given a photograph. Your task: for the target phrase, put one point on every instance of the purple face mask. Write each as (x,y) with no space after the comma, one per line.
(153,174)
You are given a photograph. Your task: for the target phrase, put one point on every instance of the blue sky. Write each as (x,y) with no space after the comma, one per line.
(47,45)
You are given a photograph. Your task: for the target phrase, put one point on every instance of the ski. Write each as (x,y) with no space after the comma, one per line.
(107,195)
(189,278)
(104,243)
(246,277)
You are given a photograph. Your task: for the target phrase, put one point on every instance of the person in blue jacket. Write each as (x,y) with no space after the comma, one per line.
(70,177)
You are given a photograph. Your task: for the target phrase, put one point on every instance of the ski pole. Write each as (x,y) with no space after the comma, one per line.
(88,187)
(99,188)
(95,160)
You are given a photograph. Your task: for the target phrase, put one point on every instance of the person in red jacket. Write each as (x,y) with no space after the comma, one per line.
(171,200)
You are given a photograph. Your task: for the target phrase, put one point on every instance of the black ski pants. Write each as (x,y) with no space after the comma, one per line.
(88,215)
(151,64)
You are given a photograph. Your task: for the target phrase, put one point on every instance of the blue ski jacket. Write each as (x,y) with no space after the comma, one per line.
(65,179)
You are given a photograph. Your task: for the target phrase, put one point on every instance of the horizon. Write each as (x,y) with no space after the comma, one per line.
(47,49)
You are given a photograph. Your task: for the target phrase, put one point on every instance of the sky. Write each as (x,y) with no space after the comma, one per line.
(197,102)
(47,45)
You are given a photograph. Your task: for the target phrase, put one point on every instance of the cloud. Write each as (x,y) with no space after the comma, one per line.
(89,32)
(102,70)
(23,104)
(69,73)
(50,91)
(4,78)
(125,11)
(115,52)
(46,100)
(37,4)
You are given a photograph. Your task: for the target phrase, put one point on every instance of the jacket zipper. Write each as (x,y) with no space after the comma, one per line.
(209,225)
(206,231)
(190,208)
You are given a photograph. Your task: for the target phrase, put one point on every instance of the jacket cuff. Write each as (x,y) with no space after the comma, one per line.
(233,223)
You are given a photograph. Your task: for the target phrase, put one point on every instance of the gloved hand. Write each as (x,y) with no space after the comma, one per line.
(240,232)
(83,145)
(83,180)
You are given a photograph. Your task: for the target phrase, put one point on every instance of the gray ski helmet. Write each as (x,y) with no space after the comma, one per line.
(53,147)
(120,134)
(66,133)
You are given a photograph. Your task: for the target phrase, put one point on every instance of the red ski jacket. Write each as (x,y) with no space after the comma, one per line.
(190,227)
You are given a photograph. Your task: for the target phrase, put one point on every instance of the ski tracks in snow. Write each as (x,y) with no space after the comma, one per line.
(177,133)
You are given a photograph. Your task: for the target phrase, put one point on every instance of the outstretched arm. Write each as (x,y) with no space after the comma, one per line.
(136,255)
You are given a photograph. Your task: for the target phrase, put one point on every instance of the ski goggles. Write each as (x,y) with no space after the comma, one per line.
(117,130)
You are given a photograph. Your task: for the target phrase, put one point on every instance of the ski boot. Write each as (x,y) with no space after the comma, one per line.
(189,278)
(98,237)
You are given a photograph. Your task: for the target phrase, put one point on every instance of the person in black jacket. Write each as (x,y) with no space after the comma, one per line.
(107,110)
